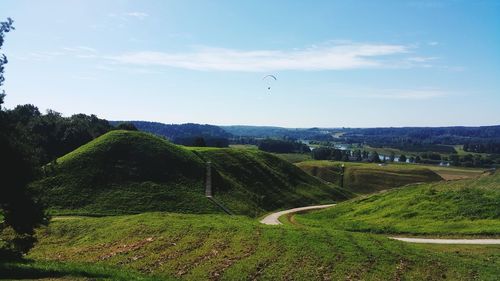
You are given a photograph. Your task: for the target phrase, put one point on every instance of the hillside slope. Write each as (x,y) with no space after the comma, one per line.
(218,247)
(368,178)
(462,207)
(130,172)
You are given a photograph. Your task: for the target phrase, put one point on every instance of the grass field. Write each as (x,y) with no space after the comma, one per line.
(464,207)
(454,173)
(368,177)
(294,157)
(243,146)
(124,172)
(218,247)
(29,269)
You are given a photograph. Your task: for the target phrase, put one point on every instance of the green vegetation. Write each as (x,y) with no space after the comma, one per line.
(251,182)
(218,247)
(125,172)
(65,271)
(464,207)
(367,177)
(455,173)
(294,157)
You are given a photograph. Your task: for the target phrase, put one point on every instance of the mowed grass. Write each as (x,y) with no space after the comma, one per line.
(125,172)
(248,180)
(368,177)
(294,157)
(219,247)
(29,269)
(455,173)
(457,208)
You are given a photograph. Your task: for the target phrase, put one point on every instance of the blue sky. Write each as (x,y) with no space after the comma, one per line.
(338,63)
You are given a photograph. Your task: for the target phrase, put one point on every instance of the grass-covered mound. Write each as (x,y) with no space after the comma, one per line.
(366,177)
(252,180)
(219,247)
(129,172)
(462,207)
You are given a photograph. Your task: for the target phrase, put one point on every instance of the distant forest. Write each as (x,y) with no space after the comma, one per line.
(189,134)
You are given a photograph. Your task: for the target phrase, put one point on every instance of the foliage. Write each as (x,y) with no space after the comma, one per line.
(173,131)
(19,212)
(202,141)
(51,135)
(283,146)
(328,153)
(127,126)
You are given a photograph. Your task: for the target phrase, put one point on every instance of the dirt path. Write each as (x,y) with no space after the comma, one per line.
(449,241)
(273,219)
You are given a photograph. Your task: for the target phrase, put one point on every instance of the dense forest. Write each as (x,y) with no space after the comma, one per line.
(189,134)
(283,146)
(51,135)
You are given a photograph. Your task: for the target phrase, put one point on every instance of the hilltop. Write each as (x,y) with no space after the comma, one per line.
(367,177)
(461,207)
(130,172)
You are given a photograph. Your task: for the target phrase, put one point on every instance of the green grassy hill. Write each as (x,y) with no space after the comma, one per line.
(461,207)
(219,247)
(368,178)
(130,172)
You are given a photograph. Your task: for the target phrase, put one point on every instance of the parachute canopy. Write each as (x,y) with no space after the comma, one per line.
(269,79)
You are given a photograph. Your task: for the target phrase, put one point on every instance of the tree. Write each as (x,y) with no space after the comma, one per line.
(20,213)
(402,158)
(418,159)
(322,153)
(4,28)
(392,156)
(374,157)
(199,142)
(128,126)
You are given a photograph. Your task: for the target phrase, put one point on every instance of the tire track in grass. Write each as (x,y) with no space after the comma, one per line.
(326,270)
(164,245)
(227,262)
(402,264)
(266,263)
(175,254)
(367,266)
(212,252)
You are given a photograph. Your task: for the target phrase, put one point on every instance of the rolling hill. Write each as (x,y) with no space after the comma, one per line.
(125,172)
(461,207)
(368,178)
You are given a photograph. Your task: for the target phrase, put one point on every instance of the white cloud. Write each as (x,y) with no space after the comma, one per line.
(139,15)
(336,57)
(422,59)
(79,49)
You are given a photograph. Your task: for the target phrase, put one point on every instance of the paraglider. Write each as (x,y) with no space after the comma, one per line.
(269,79)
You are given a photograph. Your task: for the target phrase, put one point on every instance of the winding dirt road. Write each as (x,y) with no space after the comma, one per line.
(273,219)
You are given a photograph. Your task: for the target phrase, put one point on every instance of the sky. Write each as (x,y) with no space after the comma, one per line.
(337,63)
